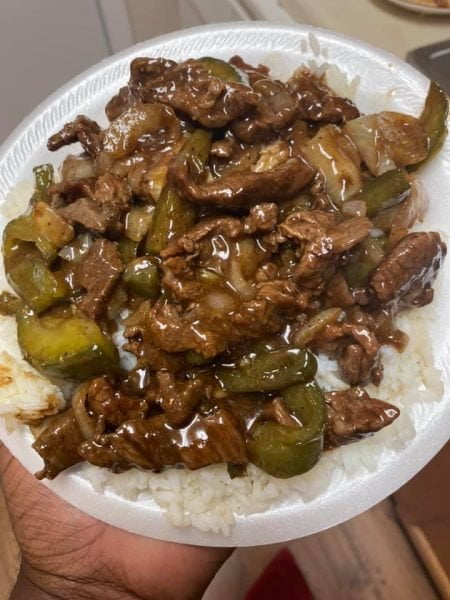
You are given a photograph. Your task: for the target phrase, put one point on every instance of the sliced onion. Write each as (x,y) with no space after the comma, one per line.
(328,153)
(137,222)
(364,133)
(220,302)
(315,325)
(156,120)
(84,421)
(74,251)
(238,282)
(78,167)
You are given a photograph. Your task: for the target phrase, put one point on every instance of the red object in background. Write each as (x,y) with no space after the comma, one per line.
(280,580)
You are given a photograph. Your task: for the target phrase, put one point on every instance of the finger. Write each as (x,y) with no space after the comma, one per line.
(5,458)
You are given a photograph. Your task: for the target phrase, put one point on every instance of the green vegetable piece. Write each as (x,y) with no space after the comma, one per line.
(43,178)
(68,347)
(195,358)
(221,69)
(26,267)
(43,226)
(284,451)
(33,281)
(269,370)
(173,215)
(128,249)
(383,191)
(141,276)
(9,304)
(434,118)
(367,257)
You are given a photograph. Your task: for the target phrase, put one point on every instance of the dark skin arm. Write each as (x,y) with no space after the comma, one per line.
(67,554)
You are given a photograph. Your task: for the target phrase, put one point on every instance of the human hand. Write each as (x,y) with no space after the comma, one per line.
(67,554)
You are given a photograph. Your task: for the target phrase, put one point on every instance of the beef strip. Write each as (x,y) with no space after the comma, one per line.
(103,209)
(112,406)
(153,444)
(82,130)
(180,279)
(316,103)
(244,188)
(178,399)
(254,73)
(356,348)
(338,292)
(58,445)
(276,110)
(199,328)
(120,103)
(261,218)
(408,271)
(69,190)
(144,70)
(323,239)
(190,89)
(352,414)
(98,274)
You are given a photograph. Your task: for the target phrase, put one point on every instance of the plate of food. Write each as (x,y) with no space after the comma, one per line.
(223,261)
(431,7)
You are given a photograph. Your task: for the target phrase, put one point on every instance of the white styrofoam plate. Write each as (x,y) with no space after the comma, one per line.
(380,81)
(421,8)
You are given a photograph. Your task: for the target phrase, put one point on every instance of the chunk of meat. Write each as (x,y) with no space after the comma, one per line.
(254,73)
(178,399)
(276,109)
(262,218)
(358,367)
(352,414)
(338,292)
(318,104)
(153,444)
(356,348)
(323,239)
(69,190)
(112,406)
(98,274)
(244,188)
(179,277)
(144,70)
(201,328)
(408,271)
(83,130)
(120,103)
(190,89)
(103,210)
(58,445)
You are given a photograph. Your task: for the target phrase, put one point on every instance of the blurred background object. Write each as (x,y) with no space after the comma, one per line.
(41,48)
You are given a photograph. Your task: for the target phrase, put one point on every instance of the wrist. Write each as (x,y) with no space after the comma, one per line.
(33,584)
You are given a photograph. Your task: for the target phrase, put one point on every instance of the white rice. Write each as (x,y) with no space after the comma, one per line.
(208,499)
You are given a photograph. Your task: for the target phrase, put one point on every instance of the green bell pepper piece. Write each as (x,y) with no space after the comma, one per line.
(434,118)
(221,69)
(284,451)
(43,179)
(69,347)
(268,370)
(173,215)
(142,277)
(383,191)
